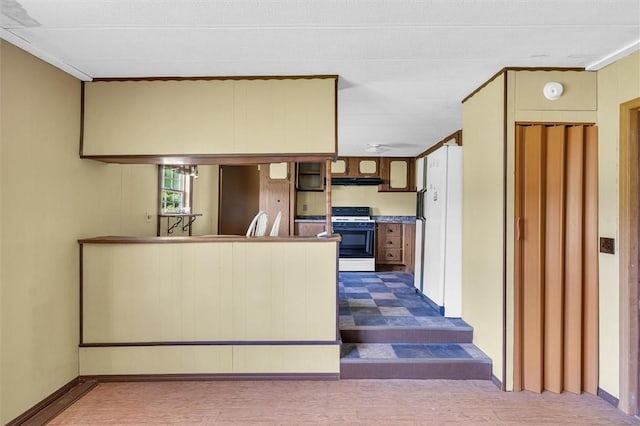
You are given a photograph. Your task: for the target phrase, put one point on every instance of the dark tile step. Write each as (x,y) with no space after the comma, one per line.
(413,361)
(406,335)
(431,368)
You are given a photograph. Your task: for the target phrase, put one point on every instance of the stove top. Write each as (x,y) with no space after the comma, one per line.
(351,219)
(351,214)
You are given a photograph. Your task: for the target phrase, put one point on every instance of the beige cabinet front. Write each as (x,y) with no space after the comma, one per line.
(209,117)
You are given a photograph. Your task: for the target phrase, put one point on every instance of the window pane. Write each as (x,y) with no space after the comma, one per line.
(173,189)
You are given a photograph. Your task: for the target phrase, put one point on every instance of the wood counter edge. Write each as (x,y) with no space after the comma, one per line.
(205,239)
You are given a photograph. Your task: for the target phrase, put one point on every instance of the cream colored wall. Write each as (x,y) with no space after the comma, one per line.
(483,126)
(526,103)
(41,195)
(617,83)
(381,203)
(49,199)
(483,122)
(210,117)
(205,201)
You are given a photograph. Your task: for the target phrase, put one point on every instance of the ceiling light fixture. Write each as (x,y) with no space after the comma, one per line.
(553,90)
(375,148)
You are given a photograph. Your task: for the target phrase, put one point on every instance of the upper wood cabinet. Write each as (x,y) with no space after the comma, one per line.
(210,117)
(310,176)
(356,167)
(398,174)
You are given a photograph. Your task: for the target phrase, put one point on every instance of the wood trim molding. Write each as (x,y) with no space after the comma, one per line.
(81,146)
(335,112)
(47,409)
(81,295)
(205,239)
(505,69)
(457,136)
(215,343)
(53,404)
(555,123)
(629,255)
(209,159)
(231,77)
(505,174)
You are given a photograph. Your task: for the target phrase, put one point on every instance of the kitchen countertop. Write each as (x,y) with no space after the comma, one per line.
(204,239)
(394,219)
(385,219)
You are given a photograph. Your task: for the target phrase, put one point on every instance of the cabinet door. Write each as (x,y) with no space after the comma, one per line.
(366,166)
(398,174)
(310,176)
(340,167)
(309,229)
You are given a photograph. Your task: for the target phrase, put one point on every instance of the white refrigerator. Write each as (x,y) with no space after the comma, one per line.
(438,272)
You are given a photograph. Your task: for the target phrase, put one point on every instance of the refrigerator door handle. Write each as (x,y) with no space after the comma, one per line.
(420,204)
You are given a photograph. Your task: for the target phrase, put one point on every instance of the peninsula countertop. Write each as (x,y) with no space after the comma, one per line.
(111,239)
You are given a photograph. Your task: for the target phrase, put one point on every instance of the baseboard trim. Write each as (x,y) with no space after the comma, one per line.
(430,302)
(47,409)
(608,397)
(209,377)
(496,382)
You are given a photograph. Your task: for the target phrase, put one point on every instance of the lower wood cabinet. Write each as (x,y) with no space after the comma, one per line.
(395,246)
(309,229)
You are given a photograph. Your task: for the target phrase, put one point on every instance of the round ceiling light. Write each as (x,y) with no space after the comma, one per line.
(553,90)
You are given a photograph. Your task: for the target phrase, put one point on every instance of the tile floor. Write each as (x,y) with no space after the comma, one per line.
(410,351)
(386,299)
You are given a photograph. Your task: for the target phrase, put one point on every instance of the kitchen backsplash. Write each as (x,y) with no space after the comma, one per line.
(381,203)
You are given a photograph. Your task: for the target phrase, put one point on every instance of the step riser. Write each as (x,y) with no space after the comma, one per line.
(472,370)
(389,335)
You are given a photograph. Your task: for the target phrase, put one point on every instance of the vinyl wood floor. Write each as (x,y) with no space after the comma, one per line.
(366,402)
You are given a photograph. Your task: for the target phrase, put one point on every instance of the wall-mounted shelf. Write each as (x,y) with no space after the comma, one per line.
(179,219)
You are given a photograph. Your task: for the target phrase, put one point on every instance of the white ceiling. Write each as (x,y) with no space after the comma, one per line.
(404,65)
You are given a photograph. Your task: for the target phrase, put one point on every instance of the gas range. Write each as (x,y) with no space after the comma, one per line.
(351,214)
(357,229)
(352,219)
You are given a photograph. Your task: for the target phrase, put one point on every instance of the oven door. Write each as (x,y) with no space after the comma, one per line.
(357,242)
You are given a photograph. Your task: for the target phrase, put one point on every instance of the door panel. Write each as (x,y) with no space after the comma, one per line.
(556,276)
(533,251)
(554,260)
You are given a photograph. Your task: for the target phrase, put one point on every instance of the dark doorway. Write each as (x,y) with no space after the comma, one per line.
(239,198)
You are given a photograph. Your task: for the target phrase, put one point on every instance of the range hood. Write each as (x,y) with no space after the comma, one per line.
(361,181)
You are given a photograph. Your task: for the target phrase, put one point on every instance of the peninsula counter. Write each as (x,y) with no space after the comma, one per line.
(209,305)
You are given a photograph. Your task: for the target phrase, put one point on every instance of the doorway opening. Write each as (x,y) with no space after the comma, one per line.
(556,258)
(239,198)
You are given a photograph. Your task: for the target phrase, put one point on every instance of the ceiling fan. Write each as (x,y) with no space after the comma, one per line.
(376,148)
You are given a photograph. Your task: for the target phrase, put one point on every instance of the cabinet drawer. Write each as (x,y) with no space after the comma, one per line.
(391,229)
(390,241)
(390,256)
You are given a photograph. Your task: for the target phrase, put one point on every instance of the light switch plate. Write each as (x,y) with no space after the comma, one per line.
(607,245)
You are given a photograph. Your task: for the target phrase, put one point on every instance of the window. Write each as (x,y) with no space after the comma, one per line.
(175,188)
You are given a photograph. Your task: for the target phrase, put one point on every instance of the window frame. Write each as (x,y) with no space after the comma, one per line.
(185,189)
